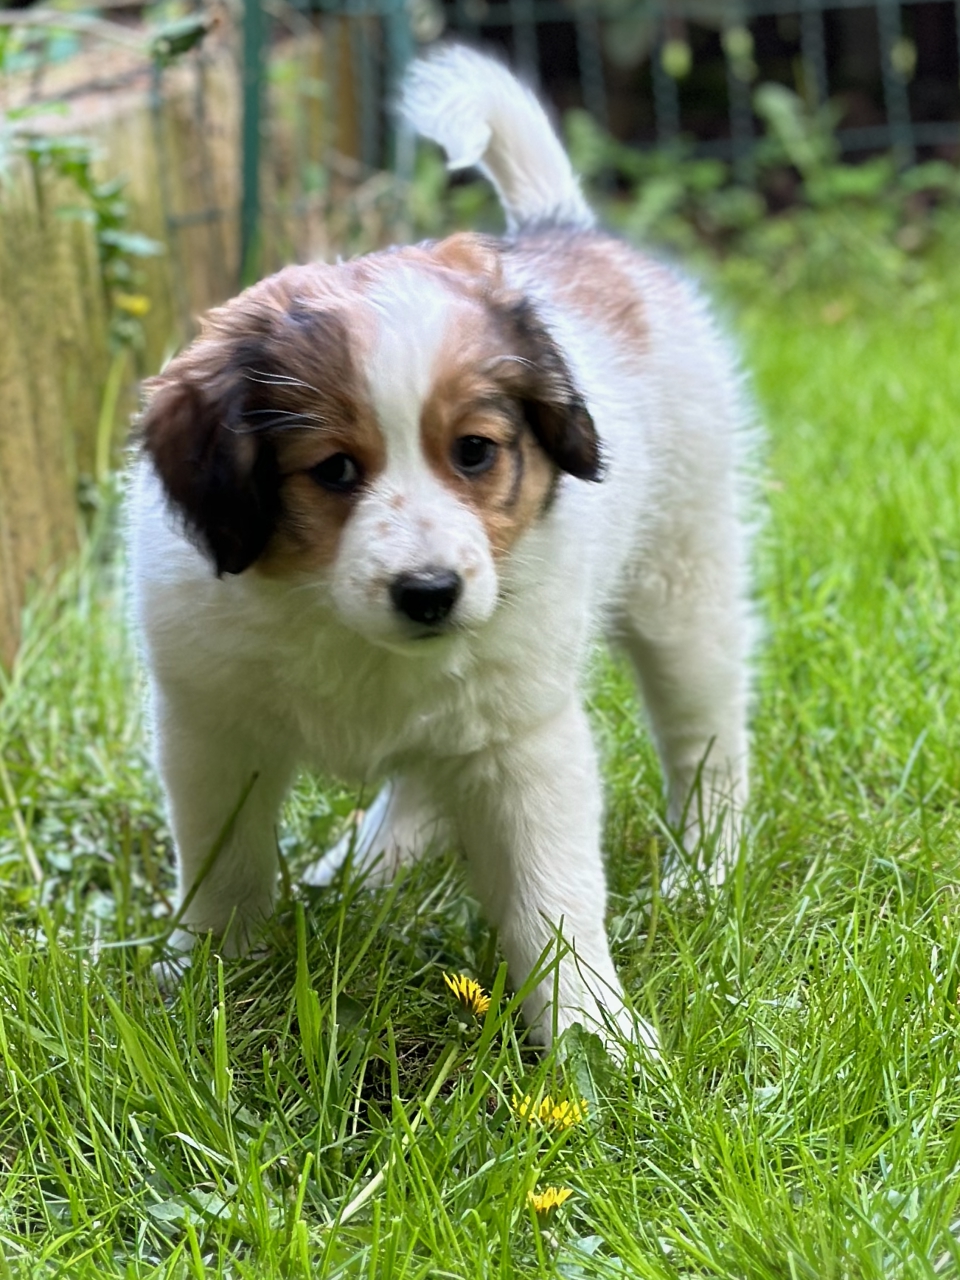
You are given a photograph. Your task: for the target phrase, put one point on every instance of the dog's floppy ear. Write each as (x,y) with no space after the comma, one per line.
(214,416)
(222,479)
(553,407)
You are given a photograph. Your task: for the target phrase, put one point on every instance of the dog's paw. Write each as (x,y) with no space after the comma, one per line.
(396,831)
(698,857)
(367,842)
(644,1036)
(626,1036)
(697,871)
(177,957)
(600,1009)
(680,874)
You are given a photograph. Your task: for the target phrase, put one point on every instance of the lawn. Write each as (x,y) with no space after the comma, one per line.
(320,1110)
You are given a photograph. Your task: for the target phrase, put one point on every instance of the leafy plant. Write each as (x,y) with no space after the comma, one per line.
(102,204)
(105,209)
(119,250)
(811,218)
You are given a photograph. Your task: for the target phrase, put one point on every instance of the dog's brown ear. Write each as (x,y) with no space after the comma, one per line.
(221,478)
(214,416)
(553,407)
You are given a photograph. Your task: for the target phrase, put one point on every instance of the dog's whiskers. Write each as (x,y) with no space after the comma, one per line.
(507,359)
(278,380)
(283,420)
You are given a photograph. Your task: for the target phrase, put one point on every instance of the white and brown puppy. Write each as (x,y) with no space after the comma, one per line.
(382,510)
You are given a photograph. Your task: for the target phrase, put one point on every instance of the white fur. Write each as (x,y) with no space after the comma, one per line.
(483,731)
(432,528)
(481,115)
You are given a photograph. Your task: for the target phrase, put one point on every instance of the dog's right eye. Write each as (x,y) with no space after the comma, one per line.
(339,473)
(473,455)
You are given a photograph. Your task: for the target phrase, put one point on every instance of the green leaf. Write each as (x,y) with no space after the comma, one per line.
(133,242)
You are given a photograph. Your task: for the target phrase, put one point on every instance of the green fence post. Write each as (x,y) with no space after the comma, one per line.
(252,112)
(400,50)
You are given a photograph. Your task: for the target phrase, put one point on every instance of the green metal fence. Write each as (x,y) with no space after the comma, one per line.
(731,38)
(651,71)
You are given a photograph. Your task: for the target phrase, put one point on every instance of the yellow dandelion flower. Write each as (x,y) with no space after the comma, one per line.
(551,1113)
(469,992)
(566,1113)
(524,1108)
(135,304)
(544,1202)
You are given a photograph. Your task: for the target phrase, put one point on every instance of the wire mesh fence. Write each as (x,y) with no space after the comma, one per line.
(656,74)
(313,138)
(659,70)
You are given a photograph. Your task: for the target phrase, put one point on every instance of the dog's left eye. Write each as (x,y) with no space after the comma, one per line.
(472,455)
(339,473)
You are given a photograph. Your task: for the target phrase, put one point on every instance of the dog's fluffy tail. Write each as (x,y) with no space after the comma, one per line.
(483,116)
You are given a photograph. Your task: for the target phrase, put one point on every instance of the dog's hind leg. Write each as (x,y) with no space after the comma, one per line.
(399,827)
(690,649)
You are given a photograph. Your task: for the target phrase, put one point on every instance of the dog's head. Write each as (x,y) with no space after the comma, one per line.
(388,428)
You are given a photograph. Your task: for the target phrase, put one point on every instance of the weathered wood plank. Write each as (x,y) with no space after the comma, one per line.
(181,157)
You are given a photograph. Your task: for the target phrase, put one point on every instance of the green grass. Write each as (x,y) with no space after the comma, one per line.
(806,1118)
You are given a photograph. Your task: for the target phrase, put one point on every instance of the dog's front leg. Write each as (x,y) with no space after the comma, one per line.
(224,784)
(401,826)
(530,819)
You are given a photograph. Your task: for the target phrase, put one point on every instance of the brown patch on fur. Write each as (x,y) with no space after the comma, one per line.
(236,422)
(467,264)
(470,255)
(312,518)
(339,419)
(595,276)
(531,369)
(473,397)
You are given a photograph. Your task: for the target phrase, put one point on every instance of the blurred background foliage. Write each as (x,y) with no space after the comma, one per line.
(810,219)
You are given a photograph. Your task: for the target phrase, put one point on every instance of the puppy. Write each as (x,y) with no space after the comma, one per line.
(381,511)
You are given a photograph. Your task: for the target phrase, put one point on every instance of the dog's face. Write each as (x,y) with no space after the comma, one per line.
(387,429)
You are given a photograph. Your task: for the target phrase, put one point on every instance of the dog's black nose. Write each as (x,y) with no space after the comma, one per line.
(427,597)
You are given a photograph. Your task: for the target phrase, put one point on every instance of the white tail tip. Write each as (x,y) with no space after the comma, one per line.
(483,116)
